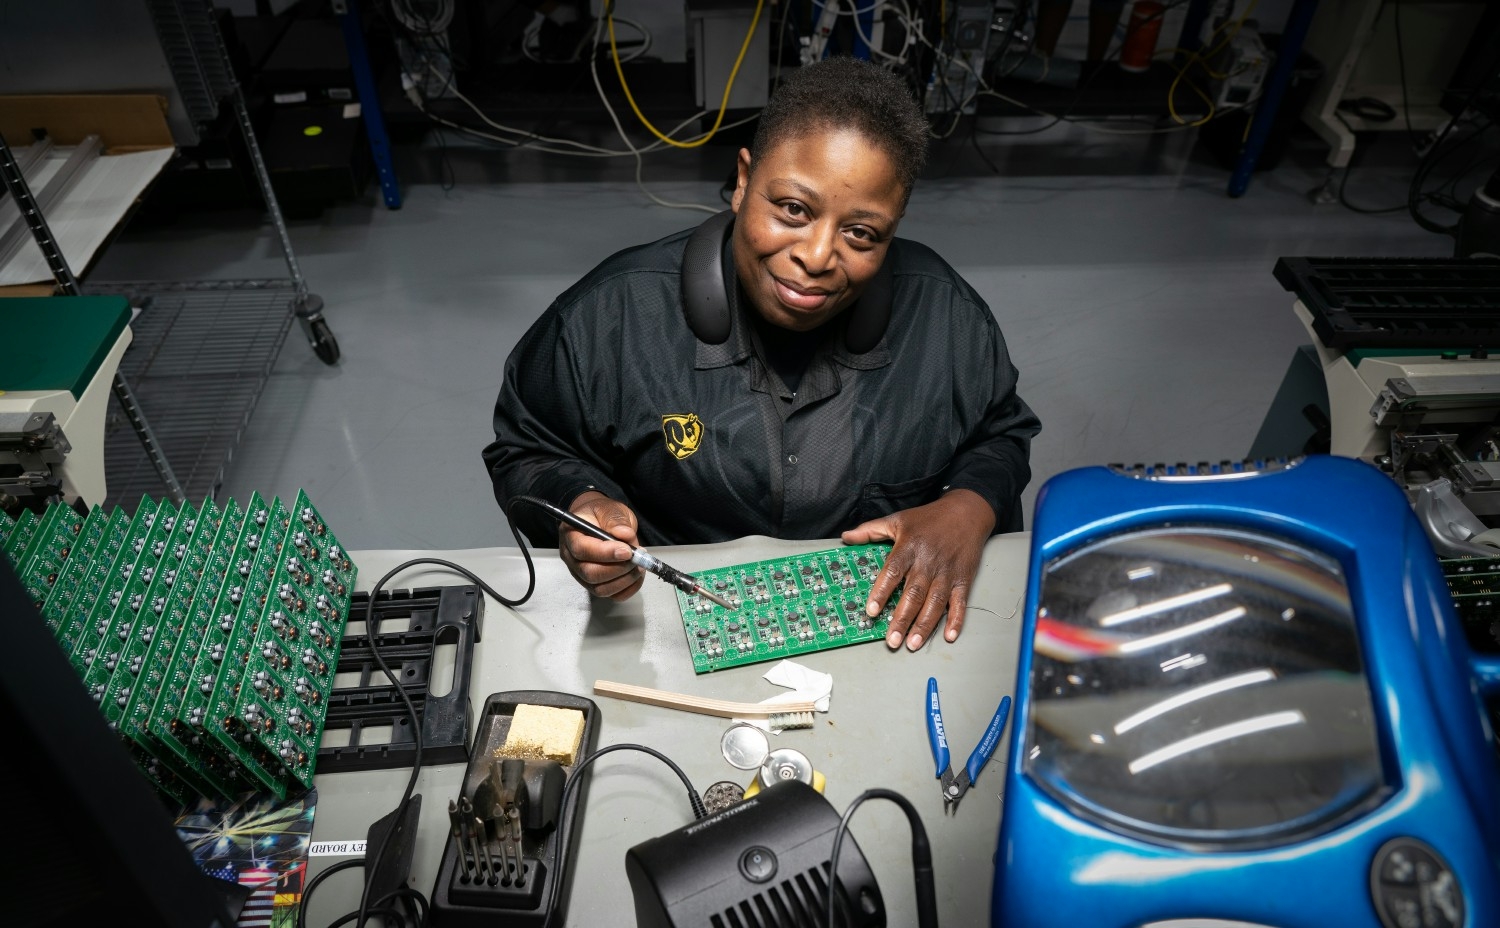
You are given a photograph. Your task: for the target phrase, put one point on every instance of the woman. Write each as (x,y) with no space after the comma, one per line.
(790,369)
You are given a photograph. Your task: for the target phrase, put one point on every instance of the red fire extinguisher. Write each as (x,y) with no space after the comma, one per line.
(1141,34)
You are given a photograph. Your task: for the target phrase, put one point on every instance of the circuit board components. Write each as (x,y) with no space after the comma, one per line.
(786,607)
(1474,585)
(207,635)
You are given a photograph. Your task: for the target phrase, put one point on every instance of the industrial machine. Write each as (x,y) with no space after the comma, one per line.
(56,366)
(1245,701)
(1400,375)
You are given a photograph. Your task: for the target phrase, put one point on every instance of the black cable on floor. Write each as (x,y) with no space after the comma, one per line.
(1414,192)
(1376,111)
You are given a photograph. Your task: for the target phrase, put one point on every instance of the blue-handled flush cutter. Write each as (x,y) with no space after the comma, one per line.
(954,786)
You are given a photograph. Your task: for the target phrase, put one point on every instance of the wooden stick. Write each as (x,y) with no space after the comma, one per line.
(722,708)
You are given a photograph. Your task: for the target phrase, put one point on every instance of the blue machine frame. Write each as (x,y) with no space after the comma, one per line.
(1436,816)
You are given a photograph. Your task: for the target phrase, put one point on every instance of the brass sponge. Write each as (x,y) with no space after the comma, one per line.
(543,732)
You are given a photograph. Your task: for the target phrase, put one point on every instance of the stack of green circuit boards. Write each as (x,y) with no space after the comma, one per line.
(787,606)
(1474,585)
(208,636)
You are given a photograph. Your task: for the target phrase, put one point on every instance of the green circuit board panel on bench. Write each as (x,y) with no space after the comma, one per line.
(788,606)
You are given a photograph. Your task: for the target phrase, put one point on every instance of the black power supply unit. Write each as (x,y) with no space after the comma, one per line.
(761,862)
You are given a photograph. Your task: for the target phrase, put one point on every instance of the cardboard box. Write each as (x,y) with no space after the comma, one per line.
(137,146)
(124,122)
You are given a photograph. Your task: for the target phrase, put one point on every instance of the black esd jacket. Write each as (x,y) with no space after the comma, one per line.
(611,390)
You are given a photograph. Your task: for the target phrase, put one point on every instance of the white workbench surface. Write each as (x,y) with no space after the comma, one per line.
(873,735)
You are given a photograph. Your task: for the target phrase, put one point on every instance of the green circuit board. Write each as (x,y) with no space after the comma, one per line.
(83,631)
(132,603)
(20,536)
(43,562)
(68,606)
(169,671)
(160,776)
(127,683)
(224,653)
(1474,586)
(208,636)
(39,537)
(787,607)
(294,653)
(137,558)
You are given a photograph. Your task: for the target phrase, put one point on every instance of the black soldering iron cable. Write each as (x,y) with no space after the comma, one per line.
(921,856)
(565,816)
(372,631)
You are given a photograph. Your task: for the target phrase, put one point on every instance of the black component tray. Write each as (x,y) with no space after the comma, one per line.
(454,903)
(436,616)
(1398,302)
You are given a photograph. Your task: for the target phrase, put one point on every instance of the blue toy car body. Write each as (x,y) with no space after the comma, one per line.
(1244,699)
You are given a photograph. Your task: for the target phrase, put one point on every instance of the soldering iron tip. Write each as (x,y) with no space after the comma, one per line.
(715,597)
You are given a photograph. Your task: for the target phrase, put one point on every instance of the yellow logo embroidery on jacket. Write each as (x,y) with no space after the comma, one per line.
(683,433)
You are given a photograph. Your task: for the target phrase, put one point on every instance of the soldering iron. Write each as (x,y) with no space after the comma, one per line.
(638,555)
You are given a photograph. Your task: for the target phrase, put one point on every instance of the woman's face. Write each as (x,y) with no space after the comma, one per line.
(813,220)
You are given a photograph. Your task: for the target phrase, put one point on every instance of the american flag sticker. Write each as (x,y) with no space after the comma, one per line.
(258,842)
(261,905)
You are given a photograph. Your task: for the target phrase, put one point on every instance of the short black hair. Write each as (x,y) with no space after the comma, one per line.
(847,93)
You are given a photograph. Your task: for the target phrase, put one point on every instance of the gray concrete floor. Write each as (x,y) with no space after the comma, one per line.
(1136,296)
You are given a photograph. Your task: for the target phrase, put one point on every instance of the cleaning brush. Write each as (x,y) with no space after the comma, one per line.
(778,714)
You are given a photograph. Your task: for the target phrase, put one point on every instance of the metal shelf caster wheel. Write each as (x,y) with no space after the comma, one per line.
(309,310)
(324,345)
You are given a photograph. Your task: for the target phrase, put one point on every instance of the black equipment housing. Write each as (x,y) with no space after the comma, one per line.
(762,861)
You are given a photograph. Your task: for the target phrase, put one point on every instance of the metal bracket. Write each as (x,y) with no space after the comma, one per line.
(1391,405)
(1448,522)
(1183,472)
(26,160)
(1405,446)
(56,187)
(126,396)
(34,443)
